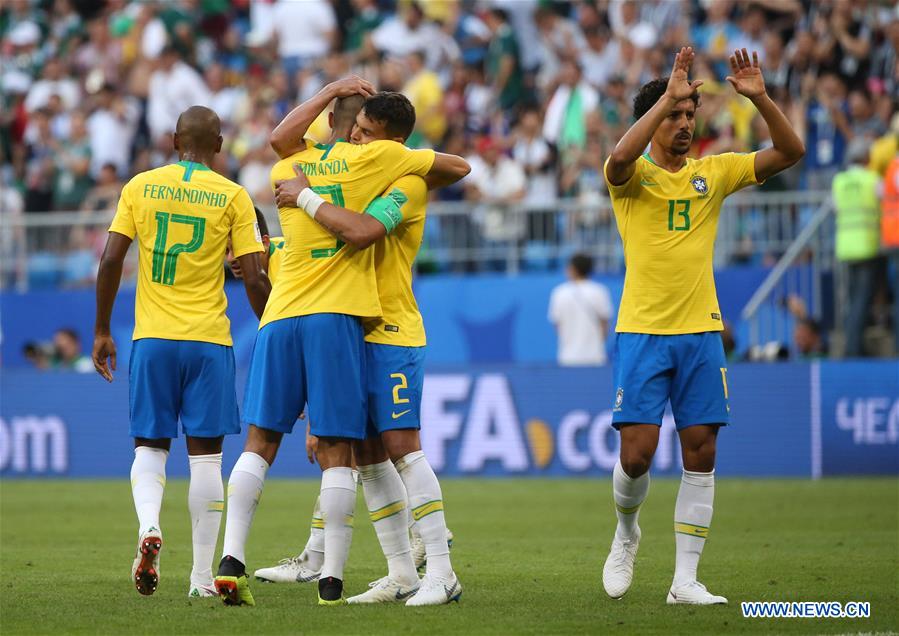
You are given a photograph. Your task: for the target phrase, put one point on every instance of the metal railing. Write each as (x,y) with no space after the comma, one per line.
(61,249)
(767,312)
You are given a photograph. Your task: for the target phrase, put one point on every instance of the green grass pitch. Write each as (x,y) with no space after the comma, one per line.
(528,552)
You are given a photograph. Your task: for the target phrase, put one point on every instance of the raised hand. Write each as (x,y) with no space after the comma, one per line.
(747,76)
(287,190)
(679,84)
(352,85)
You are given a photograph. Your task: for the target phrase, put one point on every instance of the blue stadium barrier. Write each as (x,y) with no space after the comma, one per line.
(471,319)
(789,419)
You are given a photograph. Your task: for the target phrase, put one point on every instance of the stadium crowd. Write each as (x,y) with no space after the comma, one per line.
(534,92)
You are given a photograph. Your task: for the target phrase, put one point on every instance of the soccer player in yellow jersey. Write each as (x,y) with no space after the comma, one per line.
(309,350)
(395,350)
(668,344)
(182,364)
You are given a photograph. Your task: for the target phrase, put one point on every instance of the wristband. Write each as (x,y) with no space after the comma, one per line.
(309,201)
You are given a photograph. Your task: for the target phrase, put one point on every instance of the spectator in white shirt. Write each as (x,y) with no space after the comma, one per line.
(498,183)
(111,128)
(408,32)
(53,82)
(174,87)
(581,309)
(305,32)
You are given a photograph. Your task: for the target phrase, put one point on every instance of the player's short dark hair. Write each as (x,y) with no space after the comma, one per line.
(650,93)
(261,222)
(394,110)
(582,264)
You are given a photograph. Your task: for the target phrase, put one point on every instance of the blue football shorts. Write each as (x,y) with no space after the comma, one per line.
(688,369)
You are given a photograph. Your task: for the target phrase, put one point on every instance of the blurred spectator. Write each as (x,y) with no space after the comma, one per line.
(560,39)
(367,17)
(581,310)
(717,36)
(53,82)
(406,33)
(424,91)
(68,354)
(40,169)
(844,41)
(857,207)
(827,129)
(112,127)
(532,152)
(39,354)
(497,182)
(73,162)
(503,64)
(600,58)
(566,115)
(104,196)
(628,23)
(305,31)
(864,124)
(174,87)
(807,339)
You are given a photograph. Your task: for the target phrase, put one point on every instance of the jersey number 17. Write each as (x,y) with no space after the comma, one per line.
(165,261)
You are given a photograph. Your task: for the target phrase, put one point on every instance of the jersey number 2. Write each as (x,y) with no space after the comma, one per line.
(335,193)
(165,261)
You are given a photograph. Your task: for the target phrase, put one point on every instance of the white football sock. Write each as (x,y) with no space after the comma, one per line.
(385,497)
(426,502)
(148,484)
(338,503)
(315,546)
(244,491)
(629,493)
(206,501)
(692,518)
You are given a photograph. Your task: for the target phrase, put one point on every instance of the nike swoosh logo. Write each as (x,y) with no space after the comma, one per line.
(644,182)
(399,415)
(401,596)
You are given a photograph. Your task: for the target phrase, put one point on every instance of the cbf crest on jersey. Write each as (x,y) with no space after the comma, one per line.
(700,185)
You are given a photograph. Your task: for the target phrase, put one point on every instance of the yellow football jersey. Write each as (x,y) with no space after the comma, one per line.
(275,254)
(667,222)
(401,323)
(318,273)
(182,216)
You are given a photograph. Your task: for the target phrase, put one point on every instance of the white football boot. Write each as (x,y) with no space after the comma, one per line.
(693,593)
(145,569)
(385,590)
(203,590)
(434,591)
(618,571)
(293,570)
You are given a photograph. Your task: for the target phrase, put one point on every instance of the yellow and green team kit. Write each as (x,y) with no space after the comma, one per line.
(182,216)
(668,222)
(317,273)
(402,209)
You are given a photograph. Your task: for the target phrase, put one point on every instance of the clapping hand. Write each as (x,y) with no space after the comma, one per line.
(679,84)
(747,76)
